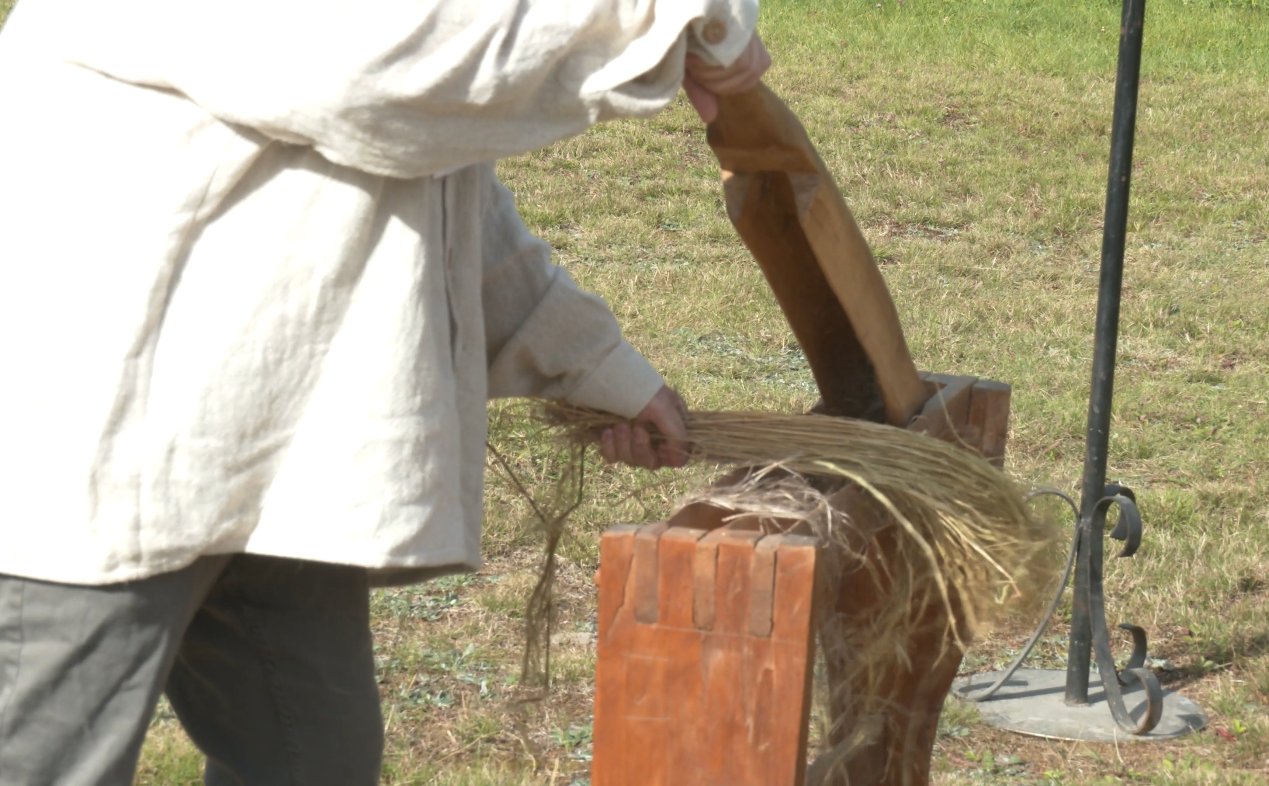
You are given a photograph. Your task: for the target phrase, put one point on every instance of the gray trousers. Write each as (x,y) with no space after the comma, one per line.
(267,662)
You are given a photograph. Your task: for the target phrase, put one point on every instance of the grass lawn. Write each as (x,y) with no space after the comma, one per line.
(970,138)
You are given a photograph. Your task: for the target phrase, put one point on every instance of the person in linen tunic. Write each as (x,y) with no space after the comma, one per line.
(260,280)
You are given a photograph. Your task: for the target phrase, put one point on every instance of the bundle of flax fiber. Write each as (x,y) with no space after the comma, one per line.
(954,530)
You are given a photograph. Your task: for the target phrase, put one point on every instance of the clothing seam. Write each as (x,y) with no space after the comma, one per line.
(447,260)
(17,667)
(267,660)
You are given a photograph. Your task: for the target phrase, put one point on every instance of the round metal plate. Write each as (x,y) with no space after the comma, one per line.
(1031,702)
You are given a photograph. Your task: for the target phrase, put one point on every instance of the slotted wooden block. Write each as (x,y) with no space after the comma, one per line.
(705,654)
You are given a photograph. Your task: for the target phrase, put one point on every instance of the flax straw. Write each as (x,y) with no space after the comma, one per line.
(970,533)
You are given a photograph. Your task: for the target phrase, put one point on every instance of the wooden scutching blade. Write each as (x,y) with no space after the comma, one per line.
(786,207)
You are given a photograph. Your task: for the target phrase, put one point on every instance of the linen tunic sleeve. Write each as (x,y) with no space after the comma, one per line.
(545,337)
(404,88)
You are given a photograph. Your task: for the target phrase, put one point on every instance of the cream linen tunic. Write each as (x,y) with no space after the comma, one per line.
(258,285)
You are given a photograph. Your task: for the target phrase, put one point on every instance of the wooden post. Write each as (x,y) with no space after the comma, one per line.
(909,690)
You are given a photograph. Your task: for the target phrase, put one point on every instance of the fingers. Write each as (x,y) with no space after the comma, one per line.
(671,420)
(668,413)
(632,443)
(608,446)
(743,74)
(621,440)
(671,455)
(641,450)
(704,102)
(629,445)
(725,80)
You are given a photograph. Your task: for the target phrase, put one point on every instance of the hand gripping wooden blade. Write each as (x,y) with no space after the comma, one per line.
(786,208)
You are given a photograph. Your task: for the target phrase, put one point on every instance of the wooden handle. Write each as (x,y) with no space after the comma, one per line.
(785,206)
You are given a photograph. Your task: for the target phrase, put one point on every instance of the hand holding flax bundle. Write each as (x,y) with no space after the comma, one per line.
(631,443)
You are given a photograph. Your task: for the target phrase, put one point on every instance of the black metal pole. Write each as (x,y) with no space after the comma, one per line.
(1091,525)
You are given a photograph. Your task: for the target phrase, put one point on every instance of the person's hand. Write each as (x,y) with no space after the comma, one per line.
(631,444)
(703,82)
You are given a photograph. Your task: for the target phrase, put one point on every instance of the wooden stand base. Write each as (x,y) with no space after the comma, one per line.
(706,640)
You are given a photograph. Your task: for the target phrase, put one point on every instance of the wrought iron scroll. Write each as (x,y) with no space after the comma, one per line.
(1128,528)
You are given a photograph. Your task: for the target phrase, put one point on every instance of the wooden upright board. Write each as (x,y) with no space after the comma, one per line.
(906,692)
(786,207)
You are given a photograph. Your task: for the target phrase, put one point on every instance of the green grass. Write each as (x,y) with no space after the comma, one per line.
(970,139)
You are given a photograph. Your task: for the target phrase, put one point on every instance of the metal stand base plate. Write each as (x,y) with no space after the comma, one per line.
(1031,702)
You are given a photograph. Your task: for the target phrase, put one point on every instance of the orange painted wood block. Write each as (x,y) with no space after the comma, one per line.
(705,657)
(784,204)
